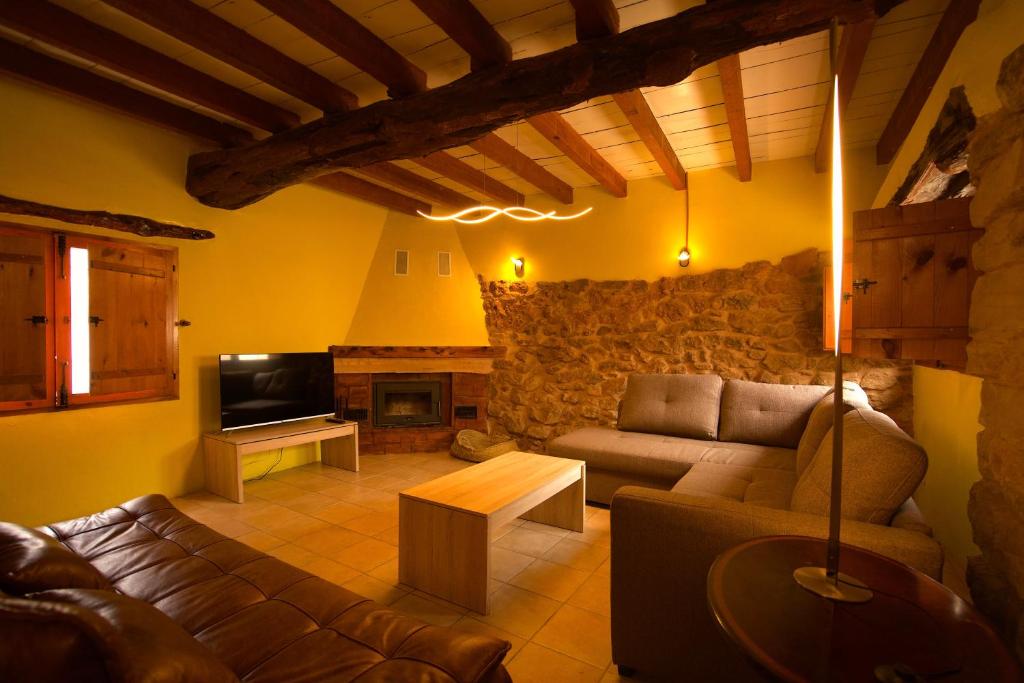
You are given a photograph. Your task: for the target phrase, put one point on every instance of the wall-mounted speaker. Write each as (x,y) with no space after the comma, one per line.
(444,264)
(401,261)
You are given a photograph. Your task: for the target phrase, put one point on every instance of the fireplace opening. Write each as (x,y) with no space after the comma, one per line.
(399,403)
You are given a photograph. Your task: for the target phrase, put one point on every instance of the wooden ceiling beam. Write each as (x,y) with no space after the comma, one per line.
(68,31)
(20,61)
(958,15)
(563,136)
(595,19)
(328,25)
(736,113)
(470,30)
(493,147)
(393,174)
(852,48)
(350,185)
(219,38)
(464,174)
(658,53)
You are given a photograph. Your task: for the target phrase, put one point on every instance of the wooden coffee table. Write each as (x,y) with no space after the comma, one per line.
(446,525)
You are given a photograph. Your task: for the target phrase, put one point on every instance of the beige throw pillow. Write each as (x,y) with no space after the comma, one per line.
(673,405)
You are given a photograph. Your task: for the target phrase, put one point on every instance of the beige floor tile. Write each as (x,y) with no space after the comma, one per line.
(270,489)
(387,572)
(372,523)
(594,595)
(537,664)
(527,541)
(581,634)
(290,528)
(292,554)
(332,571)
(518,611)
(474,625)
(367,554)
(507,563)
(429,611)
(544,528)
(339,511)
(329,541)
(552,580)
(577,554)
(375,589)
(260,513)
(385,481)
(304,480)
(605,569)
(260,540)
(309,503)
(388,536)
(345,491)
(227,526)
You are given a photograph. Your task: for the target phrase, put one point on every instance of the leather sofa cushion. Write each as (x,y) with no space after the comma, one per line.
(766,414)
(650,456)
(265,619)
(820,421)
(33,561)
(672,405)
(882,467)
(764,486)
(97,635)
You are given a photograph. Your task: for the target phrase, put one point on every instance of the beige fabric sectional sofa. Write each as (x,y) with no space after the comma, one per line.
(698,465)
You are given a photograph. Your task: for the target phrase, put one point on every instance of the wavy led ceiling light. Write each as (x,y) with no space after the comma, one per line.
(519,213)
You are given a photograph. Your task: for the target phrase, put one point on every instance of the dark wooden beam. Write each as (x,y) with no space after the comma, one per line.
(392,174)
(470,30)
(464,174)
(207,32)
(39,68)
(68,31)
(595,18)
(563,136)
(645,123)
(137,225)
(328,25)
(736,113)
(493,147)
(370,192)
(958,15)
(661,53)
(852,48)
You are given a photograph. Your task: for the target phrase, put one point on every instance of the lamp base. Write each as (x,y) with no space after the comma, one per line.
(845,589)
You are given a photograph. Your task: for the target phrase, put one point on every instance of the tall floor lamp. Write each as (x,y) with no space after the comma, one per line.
(828,581)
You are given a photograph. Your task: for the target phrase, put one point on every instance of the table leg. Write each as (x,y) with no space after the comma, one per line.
(341,451)
(565,509)
(223,470)
(444,552)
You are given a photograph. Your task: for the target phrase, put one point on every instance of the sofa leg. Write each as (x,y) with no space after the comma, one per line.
(626,671)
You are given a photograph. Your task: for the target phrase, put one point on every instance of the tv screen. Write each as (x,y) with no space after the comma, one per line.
(260,388)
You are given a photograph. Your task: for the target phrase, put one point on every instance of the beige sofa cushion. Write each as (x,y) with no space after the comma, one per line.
(882,467)
(764,486)
(767,414)
(820,422)
(673,405)
(650,456)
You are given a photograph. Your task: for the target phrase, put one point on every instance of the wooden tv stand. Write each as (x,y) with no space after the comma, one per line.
(223,451)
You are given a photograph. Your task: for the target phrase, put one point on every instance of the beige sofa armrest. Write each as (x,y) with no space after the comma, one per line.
(663,545)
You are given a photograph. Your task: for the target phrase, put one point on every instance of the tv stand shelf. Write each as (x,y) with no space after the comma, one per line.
(223,451)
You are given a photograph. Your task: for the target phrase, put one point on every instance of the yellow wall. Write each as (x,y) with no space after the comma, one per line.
(282,275)
(784,209)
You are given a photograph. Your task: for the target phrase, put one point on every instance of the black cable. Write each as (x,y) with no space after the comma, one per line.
(280,456)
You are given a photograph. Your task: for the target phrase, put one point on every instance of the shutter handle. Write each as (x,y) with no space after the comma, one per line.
(95,320)
(864,284)
(37,320)
(183,323)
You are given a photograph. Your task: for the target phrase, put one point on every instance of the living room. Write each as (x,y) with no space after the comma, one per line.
(697,248)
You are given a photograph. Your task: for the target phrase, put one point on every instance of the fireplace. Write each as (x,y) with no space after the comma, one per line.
(399,402)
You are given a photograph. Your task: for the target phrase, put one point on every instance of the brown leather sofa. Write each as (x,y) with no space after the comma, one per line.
(142,592)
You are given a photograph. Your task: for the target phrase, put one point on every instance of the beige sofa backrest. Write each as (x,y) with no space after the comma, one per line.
(673,405)
(766,414)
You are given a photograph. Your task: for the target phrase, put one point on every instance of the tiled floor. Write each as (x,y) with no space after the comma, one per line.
(550,587)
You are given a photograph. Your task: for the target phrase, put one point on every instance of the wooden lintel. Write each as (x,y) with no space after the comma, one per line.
(138,225)
(348,184)
(68,31)
(464,24)
(219,38)
(852,48)
(661,53)
(418,351)
(493,147)
(736,113)
(563,136)
(26,63)
(956,18)
(392,174)
(464,174)
(595,18)
(328,25)
(645,123)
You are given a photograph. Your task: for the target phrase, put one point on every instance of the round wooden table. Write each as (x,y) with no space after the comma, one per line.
(913,624)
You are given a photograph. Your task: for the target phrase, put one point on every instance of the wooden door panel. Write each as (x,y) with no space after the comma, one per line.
(25,319)
(917,281)
(953,278)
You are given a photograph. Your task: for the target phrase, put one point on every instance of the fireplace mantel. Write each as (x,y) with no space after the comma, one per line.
(401,359)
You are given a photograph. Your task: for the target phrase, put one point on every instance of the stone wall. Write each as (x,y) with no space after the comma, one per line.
(996,353)
(571,345)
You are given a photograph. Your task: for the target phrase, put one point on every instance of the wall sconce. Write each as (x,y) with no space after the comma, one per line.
(684,258)
(519,263)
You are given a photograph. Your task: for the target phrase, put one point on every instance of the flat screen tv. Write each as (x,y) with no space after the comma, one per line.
(262,388)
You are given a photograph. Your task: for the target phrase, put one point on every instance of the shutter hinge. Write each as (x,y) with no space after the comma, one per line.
(62,248)
(174,375)
(174,269)
(62,394)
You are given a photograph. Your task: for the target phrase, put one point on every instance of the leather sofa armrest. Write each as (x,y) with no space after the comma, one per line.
(663,544)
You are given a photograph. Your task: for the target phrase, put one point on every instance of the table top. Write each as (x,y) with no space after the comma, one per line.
(243,435)
(798,636)
(492,485)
